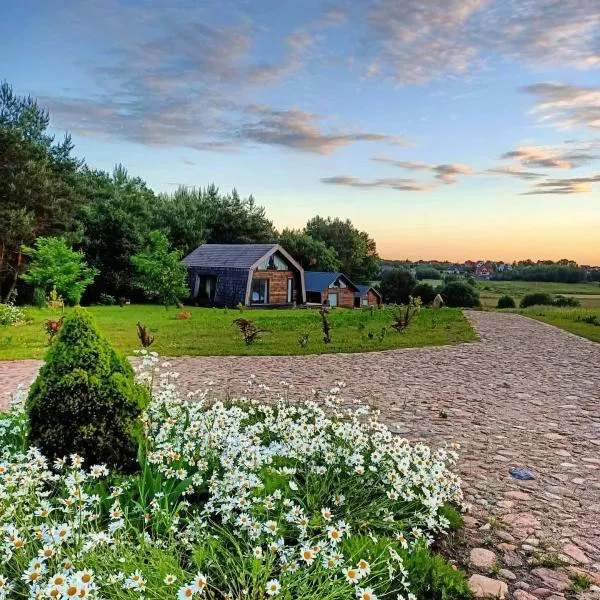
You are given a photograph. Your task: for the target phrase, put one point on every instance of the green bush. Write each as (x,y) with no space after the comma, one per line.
(107,300)
(506,301)
(425,291)
(460,294)
(565,301)
(536,299)
(85,399)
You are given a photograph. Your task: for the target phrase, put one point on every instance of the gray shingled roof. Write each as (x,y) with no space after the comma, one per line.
(364,289)
(234,256)
(317,281)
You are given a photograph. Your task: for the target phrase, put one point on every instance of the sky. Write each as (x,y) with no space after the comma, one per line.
(448,129)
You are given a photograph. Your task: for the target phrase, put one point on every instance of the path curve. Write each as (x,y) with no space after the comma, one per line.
(526,394)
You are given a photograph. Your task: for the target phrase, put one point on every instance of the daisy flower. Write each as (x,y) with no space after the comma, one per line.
(273,587)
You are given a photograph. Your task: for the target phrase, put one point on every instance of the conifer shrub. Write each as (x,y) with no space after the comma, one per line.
(506,301)
(85,399)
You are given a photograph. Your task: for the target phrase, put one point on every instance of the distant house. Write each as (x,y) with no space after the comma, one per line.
(367,296)
(482,272)
(332,288)
(453,270)
(259,275)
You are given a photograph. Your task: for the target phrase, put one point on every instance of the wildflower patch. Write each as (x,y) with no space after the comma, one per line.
(243,499)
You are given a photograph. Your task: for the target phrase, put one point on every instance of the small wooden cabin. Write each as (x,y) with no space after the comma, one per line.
(367,296)
(257,275)
(329,288)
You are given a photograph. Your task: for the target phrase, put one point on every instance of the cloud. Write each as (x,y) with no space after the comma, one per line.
(177,78)
(404,185)
(514,172)
(573,185)
(567,105)
(186,86)
(448,173)
(298,129)
(415,41)
(566,156)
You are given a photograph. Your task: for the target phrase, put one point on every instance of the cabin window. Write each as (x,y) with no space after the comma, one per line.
(291,288)
(260,291)
(339,283)
(274,263)
(204,288)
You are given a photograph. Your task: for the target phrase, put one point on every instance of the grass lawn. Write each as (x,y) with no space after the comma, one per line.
(581,321)
(211,331)
(587,293)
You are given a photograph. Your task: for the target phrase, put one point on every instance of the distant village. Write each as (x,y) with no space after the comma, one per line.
(484,269)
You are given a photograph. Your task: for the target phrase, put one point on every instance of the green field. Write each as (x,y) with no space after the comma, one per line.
(211,331)
(587,293)
(580,321)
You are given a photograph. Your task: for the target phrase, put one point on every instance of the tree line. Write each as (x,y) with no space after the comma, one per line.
(106,219)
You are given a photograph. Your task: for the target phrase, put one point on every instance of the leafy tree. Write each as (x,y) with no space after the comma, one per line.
(356,251)
(310,253)
(397,286)
(460,294)
(53,264)
(425,291)
(119,213)
(85,400)
(38,196)
(159,272)
(191,217)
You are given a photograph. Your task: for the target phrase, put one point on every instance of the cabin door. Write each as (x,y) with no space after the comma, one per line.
(332,299)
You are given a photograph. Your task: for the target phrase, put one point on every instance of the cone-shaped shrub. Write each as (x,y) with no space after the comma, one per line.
(85,399)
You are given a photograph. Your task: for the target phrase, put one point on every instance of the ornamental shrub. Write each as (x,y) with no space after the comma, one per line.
(85,399)
(506,301)
(536,299)
(460,294)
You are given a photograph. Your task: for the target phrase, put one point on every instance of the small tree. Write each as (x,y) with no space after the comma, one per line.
(85,399)
(397,286)
(159,272)
(55,266)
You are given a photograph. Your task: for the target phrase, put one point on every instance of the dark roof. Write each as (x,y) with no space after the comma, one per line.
(364,289)
(234,256)
(317,281)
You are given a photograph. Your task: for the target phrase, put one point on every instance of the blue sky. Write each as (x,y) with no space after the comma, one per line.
(449,128)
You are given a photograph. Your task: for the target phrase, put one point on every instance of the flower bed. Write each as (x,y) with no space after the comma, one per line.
(243,499)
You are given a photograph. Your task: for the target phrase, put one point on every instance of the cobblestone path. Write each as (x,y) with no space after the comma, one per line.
(527,394)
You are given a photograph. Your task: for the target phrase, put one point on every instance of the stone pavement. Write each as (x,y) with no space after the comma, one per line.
(527,394)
